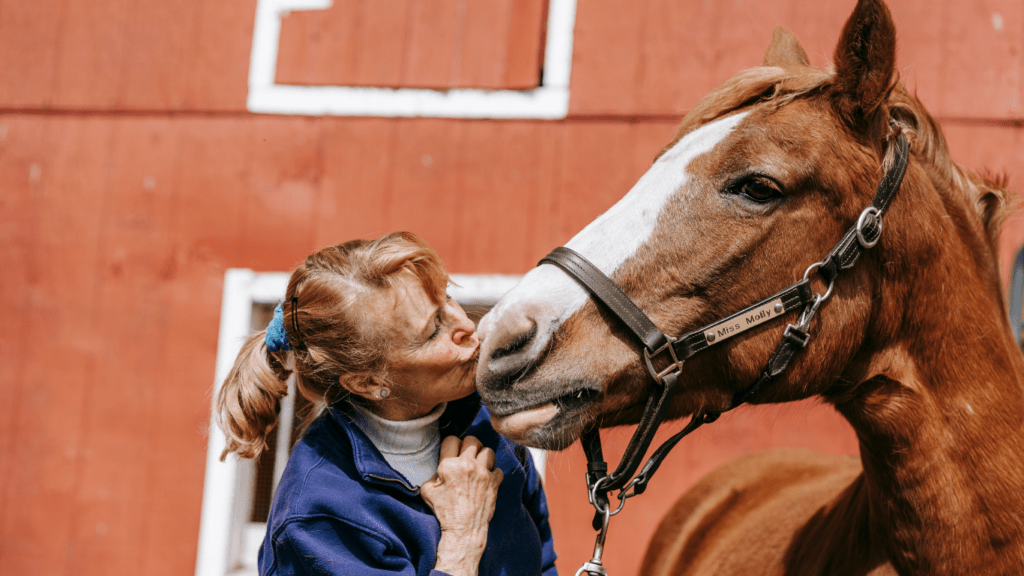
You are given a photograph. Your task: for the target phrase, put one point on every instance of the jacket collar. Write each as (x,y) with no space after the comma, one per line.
(368,460)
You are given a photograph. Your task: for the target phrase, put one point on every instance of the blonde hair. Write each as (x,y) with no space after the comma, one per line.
(333,337)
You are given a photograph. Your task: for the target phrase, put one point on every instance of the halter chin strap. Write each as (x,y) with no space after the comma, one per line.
(671,353)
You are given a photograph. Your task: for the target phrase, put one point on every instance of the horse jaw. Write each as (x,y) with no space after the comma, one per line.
(517,335)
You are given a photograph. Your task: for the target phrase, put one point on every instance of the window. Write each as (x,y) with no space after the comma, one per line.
(237,492)
(549,101)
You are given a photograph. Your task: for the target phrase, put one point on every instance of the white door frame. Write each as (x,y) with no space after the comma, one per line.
(225,535)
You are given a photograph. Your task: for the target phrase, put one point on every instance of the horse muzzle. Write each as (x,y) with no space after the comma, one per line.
(527,405)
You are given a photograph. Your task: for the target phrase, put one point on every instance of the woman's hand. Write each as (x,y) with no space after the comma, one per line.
(462,495)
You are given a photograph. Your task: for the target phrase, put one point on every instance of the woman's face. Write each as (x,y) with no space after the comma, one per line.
(433,350)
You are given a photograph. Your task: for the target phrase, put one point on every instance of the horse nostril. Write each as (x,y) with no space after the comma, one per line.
(518,343)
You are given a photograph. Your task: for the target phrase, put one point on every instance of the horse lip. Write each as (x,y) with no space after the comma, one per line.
(576,400)
(508,408)
(522,424)
(566,403)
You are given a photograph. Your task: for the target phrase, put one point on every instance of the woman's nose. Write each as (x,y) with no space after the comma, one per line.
(464,327)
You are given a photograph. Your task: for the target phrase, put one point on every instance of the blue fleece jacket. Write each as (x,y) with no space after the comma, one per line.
(340,509)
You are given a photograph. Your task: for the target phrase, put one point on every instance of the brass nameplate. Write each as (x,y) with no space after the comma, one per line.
(728,328)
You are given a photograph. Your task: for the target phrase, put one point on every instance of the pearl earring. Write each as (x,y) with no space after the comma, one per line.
(383,393)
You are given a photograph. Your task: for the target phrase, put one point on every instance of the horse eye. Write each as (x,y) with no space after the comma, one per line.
(760,189)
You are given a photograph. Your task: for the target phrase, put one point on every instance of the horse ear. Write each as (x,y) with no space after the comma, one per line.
(865,62)
(785,51)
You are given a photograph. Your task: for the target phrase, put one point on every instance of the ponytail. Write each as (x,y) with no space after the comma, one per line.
(250,399)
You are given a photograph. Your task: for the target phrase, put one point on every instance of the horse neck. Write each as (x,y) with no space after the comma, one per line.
(938,413)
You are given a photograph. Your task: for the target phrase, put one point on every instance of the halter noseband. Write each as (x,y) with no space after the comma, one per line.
(662,349)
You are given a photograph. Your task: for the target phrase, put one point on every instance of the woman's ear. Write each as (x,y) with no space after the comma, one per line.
(865,63)
(360,385)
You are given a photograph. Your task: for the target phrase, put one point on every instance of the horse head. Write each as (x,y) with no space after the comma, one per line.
(765,174)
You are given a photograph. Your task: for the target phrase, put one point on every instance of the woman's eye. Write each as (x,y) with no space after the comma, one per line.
(437,330)
(760,189)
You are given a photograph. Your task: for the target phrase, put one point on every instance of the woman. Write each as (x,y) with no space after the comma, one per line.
(371,488)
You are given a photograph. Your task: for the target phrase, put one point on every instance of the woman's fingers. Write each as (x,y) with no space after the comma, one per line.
(470,447)
(487,457)
(461,460)
(450,447)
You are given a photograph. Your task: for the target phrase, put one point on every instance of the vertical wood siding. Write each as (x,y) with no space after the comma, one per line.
(131,178)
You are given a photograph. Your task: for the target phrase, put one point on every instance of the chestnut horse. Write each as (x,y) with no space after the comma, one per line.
(913,348)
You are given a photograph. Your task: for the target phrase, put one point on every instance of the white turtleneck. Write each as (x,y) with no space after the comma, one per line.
(412,447)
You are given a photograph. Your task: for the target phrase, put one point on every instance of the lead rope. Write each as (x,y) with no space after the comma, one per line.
(594,566)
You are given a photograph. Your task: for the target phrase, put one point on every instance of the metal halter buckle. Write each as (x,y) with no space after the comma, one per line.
(828,291)
(870,215)
(676,365)
(607,509)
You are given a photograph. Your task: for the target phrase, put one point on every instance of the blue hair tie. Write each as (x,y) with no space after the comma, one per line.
(277,338)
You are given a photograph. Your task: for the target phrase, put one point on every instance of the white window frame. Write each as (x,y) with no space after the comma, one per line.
(549,101)
(227,540)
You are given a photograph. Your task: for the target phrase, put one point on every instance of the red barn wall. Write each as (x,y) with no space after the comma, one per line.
(132,177)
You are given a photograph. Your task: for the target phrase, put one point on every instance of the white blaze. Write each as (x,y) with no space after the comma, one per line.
(616,235)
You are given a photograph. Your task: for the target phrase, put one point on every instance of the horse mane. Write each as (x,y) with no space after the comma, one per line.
(986,194)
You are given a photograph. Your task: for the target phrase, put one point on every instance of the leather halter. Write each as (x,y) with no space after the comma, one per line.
(660,349)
